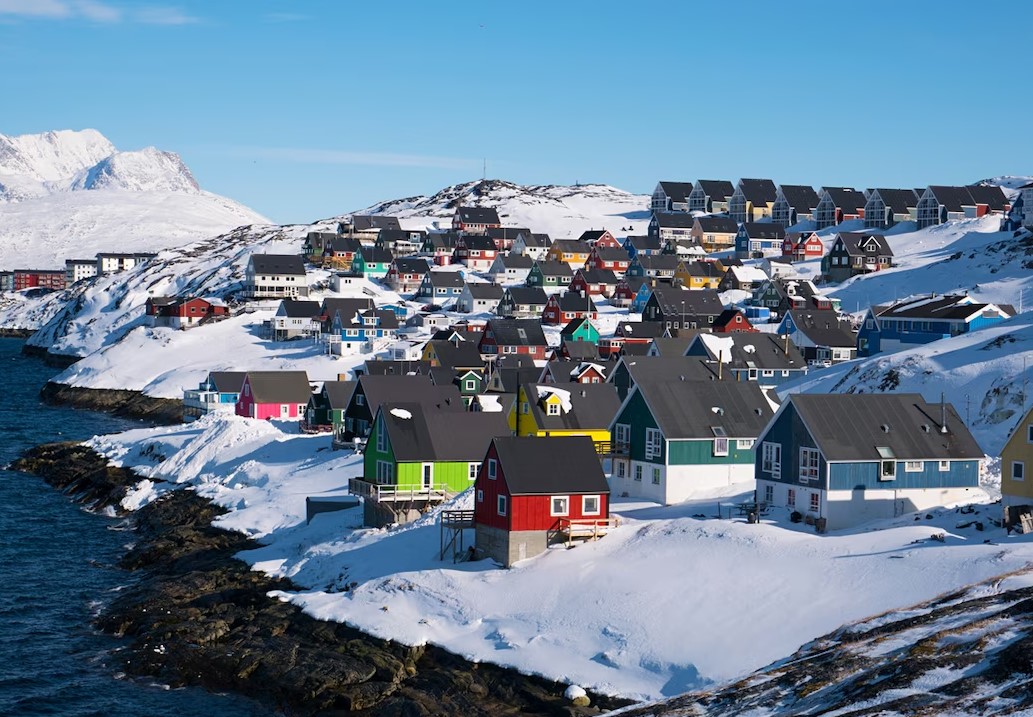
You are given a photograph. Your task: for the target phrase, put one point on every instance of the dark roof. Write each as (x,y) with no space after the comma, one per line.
(376,254)
(531,239)
(461,356)
(899,200)
(394,235)
(509,233)
(669,367)
(853,426)
(847,199)
(517,332)
(549,267)
(764,230)
(758,191)
(824,327)
(592,406)
(591,236)
(347,307)
(989,194)
(698,302)
(485,291)
(611,253)
(718,225)
(705,269)
(227,381)
(419,433)
(566,465)
(386,388)
(719,190)
(339,393)
(639,329)
(855,242)
(644,242)
(759,350)
(473,335)
(573,301)
(443,279)
(953,199)
(278,264)
(279,386)
(658,262)
(694,409)
(573,325)
(296,309)
(675,345)
(343,245)
(368,222)
(599,276)
(445,240)
(411,265)
(479,242)
(386,319)
(673,219)
(572,246)
(529,295)
(478,215)
(580,349)
(950,306)
(677,191)
(517,261)
(373,367)
(800,196)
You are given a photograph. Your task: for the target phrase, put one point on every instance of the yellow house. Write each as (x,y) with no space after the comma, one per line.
(569,251)
(1017,467)
(574,409)
(698,274)
(714,233)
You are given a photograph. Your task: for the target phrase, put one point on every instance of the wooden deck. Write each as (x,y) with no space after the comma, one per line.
(585,529)
(395,494)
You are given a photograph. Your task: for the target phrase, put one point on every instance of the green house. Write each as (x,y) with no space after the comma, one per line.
(418,455)
(675,438)
(580,330)
(325,410)
(372,262)
(545,274)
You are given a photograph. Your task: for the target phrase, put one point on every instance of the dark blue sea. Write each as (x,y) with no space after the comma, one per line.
(57,565)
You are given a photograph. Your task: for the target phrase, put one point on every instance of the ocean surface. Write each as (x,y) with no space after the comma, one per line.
(57,566)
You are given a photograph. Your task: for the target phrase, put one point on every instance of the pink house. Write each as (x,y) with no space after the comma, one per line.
(274,394)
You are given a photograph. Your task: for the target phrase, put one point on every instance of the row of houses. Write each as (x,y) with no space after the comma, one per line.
(75,270)
(751,200)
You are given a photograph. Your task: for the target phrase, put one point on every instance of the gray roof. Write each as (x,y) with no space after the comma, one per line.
(376,254)
(824,327)
(517,332)
(278,264)
(673,219)
(532,239)
(644,242)
(227,381)
(394,235)
(718,225)
(847,199)
(853,426)
(368,222)
(611,253)
(580,349)
(950,306)
(719,190)
(478,215)
(694,409)
(599,276)
(279,386)
(758,191)
(690,303)
(347,308)
(530,295)
(442,279)
(412,389)
(411,265)
(676,345)
(799,196)
(445,240)
(517,261)
(509,233)
(764,230)
(592,406)
(545,466)
(759,350)
(639,329)
(573,301)
(479,242)
(953,199)
(854,242)
(425,435)
(464,355)
(571,246)
(374,367)
(666,368)
(550,267)
(485,291)
(657,262)
(989,194)
(899,200)
(296,309)
(338,393)
(677,191)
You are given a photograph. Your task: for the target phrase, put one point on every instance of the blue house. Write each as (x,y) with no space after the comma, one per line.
(351,335)
(759,238)
(218,392)
(914,322)
(641,298)
(840,460)
(647,245)
(766,359)
(441,286)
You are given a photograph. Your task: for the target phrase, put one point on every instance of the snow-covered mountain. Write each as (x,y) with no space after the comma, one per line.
(71,194)
(561,211)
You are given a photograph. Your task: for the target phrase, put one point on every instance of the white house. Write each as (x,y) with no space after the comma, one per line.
(479,297)
(275,276)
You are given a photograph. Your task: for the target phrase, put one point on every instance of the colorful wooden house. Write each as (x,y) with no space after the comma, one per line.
(440,286)
(645,290)
(676,439)
(611,258)
(294,319)
(668,226)
(623,295)
(187,312)
(646,244)
(476,251)
(852,254)
(479,298)
(824,336)
(710,196)
(793,203)
(564,371)
(918,321)
(550,275)
(505,236)
(580,330)
(548,410)
(561,308)
(844,459)
(339,253)
(698,275)
(837,205)
(417,456)
(372,263)
(752,200)
(522,337)
(405,274)
(218,392)
(802,246)
(714,233)
(475,220)
(652,266)
(766,359)
(325,409)
(742,278)
(939,203)
(572,252)
(274,394)
(401,242)
(601,239)
(758,239)
(670,197)
(594,282)
(350,335)
(511,268)
(629,332)
(1016,491)
(531,492)
(885,207)
(732,321)
(679,308)
(532,244)
(440,246)
(373,389)
(522,302)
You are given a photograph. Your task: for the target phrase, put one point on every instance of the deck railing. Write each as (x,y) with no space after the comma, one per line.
(571,529)
(396,494)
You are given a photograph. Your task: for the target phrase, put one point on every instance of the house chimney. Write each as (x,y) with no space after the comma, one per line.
(943,414)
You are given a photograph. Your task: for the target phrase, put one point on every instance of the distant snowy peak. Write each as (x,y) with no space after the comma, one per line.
(146,170)
(1008,183)
(556,209)
(38,165)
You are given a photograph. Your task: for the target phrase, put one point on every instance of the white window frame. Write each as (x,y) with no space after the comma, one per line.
(914,466)
(381,434)
(771,459)
(769,494)
(945,466)
(810,463)
(502,505)
(656,475)
(815,502)
(559,506)
(1029,433)
(552,409)
(720,447)
(744,444)
(472,470)
(638,473)
(654,447)
(585,507)
(621,470)
(1022,471)
(492,469)
(891,474)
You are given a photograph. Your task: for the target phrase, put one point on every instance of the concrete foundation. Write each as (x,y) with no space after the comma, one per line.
(509,547)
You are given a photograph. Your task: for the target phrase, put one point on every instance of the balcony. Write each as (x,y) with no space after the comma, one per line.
(437,493)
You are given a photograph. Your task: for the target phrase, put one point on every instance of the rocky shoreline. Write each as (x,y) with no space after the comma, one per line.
(195,615)
(129,404)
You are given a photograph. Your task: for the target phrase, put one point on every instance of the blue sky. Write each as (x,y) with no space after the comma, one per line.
(304,110)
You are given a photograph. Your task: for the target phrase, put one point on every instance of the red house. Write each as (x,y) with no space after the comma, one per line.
(475,220)
(615,259)
(630,332)
(600,238)
(732,321)
(593,282)
(623,294)
(477,251)
(562,308)
(503,337)
(802,246)
(183,313)
(39,278)
(531,492)
(274,394)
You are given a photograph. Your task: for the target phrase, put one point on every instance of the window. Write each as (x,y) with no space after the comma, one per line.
(771,459)
(524,407)
(888,471)
(654,443)
(744,444)
(1029,433)
(815,502)
(656,476)
(559,505)
(385,473)
(590,505)
(480,496)
(502,505)
(769,494)
(621,470)
(1018,470)
(553,409)
(720,446)
(638,473)
(491,468)
(381,434)
(472,470)
(360,399)
(945,466)
(914,466)
(469,385)
(791,498)
(808,464)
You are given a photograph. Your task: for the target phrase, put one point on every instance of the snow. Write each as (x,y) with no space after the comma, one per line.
(490,403)
(401,413)
(720,346)
(562,394)
(671,600)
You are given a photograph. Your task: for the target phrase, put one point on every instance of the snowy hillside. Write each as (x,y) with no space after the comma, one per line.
(560,211)
(73,194)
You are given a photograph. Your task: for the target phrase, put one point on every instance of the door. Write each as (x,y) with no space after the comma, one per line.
(428,476)
(284,410)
